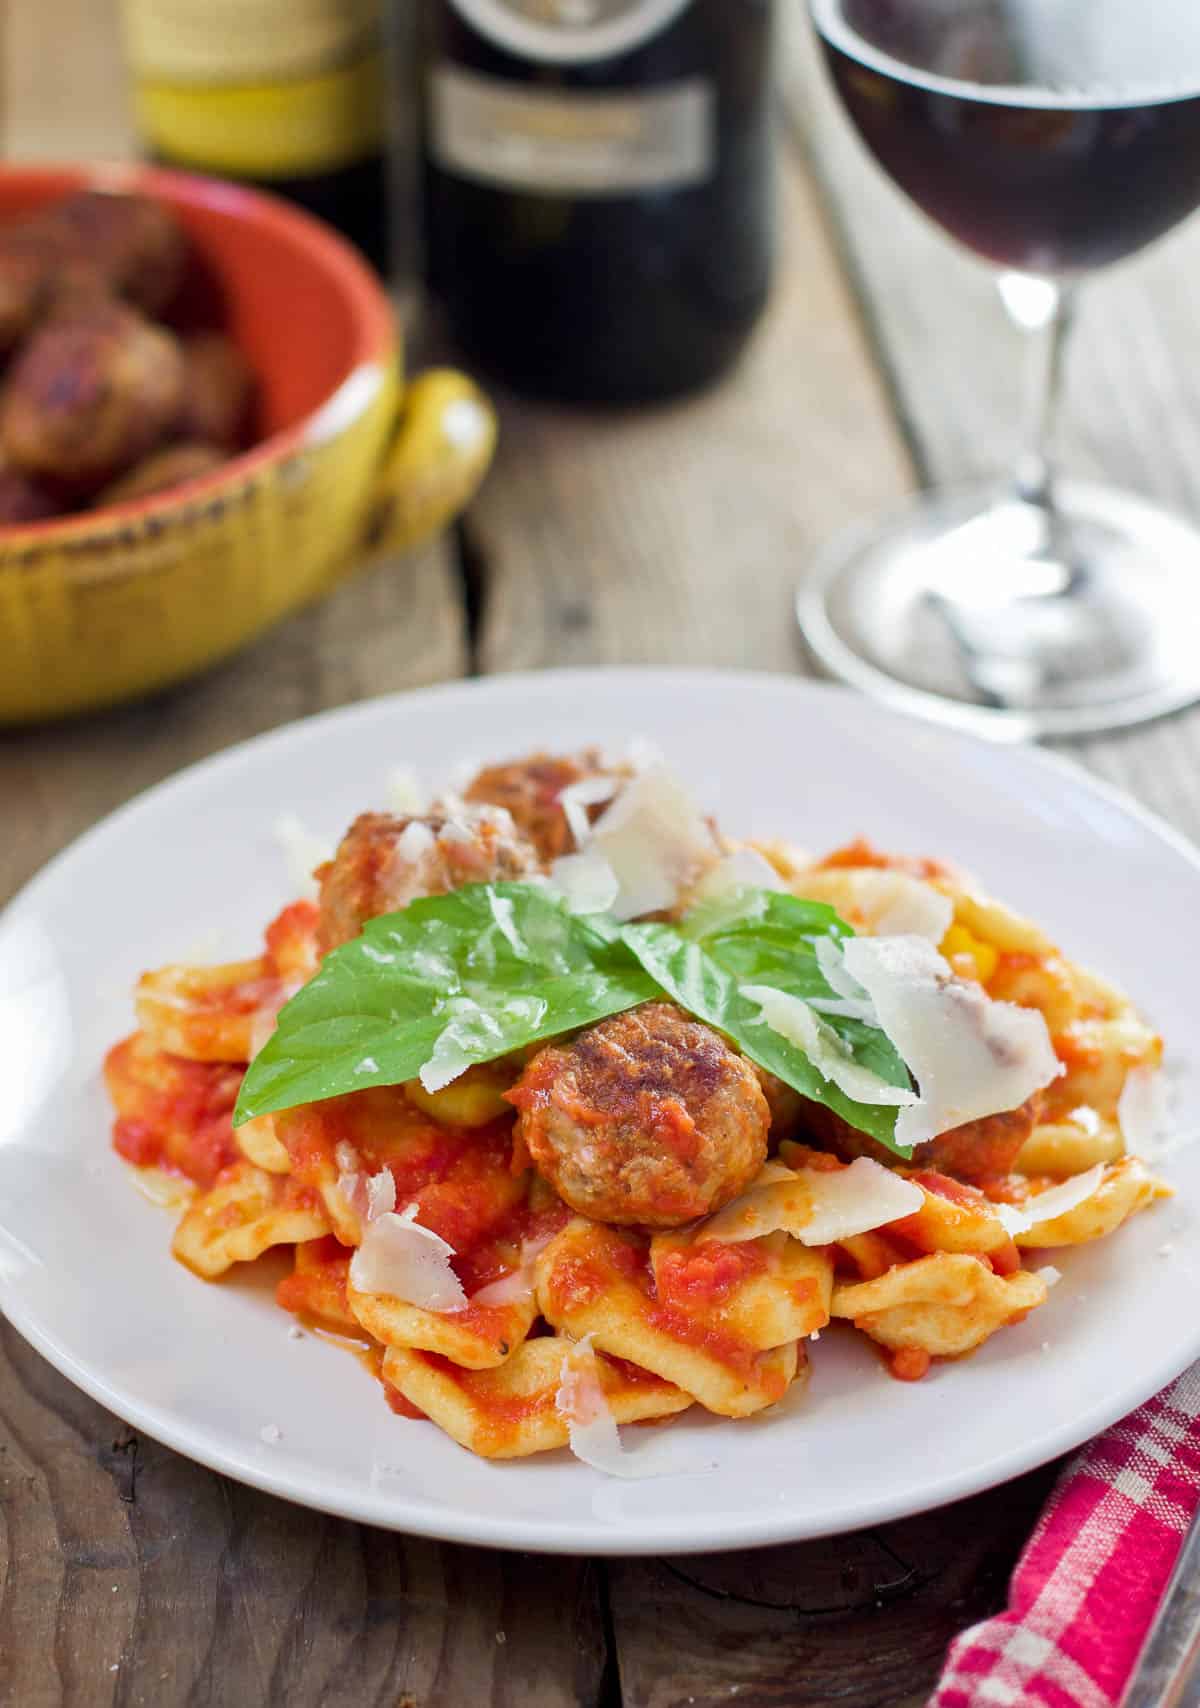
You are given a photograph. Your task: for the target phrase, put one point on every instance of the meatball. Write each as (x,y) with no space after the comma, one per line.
(976,1152)
(648,1118)
(90,394)
(530,790)
(217,391)
(22,499)
(383,863)
(162,470)
(134,243)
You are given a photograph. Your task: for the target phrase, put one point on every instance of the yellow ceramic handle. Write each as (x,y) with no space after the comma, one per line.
(444,441)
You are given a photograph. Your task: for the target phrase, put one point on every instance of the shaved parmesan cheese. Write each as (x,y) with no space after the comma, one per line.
(353,1188)
(1048,1206)
(1049,1274)
(895,904)
(576,798)
(643,754)
(303,851)
(856,1200)
(415,840)
(381,1194)
(795,1020)
(586,880)
(1144,1109)
(851,1000)
(402,1260)
(971,1057)
(656,840)
(744,869)
(584,1407)
(404,791)
(816,1206)
(519,1282)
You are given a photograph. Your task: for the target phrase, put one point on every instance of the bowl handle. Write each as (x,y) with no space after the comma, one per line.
(443,444)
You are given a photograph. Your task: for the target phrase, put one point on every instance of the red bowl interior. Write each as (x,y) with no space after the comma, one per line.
(304,308)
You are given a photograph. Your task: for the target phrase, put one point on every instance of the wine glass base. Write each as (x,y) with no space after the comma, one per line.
(968,608)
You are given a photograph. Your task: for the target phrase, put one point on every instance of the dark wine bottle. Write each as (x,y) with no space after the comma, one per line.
(598,187)
(287,95)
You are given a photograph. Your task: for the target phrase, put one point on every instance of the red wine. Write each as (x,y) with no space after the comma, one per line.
(1047,137)
(598,187)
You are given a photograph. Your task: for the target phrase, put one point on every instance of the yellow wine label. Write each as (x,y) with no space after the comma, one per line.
(245,41)
(258,88)
(269,130)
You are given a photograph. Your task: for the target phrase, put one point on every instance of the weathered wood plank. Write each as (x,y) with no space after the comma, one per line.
(677,533)
(132,1576)
(957,369)
(860,1620)
(63,91)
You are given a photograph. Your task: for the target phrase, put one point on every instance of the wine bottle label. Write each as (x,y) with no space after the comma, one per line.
(258,88)
(569,32)
(574,144)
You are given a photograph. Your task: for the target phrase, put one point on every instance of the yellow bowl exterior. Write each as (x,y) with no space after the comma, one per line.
(102,608)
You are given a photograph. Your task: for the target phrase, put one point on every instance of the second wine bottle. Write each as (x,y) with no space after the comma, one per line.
(598,187)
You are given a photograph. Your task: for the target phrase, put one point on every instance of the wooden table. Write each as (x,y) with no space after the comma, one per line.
(129,1575)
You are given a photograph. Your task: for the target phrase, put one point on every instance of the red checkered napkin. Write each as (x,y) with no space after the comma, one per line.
(1086,1588)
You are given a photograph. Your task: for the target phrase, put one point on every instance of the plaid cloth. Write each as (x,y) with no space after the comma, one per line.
(1086,1588)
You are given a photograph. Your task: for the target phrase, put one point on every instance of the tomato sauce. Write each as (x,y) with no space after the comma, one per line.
(701,1277)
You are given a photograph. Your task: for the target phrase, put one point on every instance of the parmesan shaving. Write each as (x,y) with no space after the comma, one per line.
(586,880)
(895,904)
(851,999)
(1048,1206)
(519,1283)
(792,1018)
(971,1057)
(381,1194)
(584,1407)
(744,869)
(856,1200)
(1049,1274)
(303,851)
(1144,1109)
(656,841)
(815,1206)
(576,798)
(402,1260)
(405,793)
(415,841)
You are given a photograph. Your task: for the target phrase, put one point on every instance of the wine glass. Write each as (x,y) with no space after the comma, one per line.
(1051,137)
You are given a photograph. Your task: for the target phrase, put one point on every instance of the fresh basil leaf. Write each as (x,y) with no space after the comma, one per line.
(472,975)
(761,937)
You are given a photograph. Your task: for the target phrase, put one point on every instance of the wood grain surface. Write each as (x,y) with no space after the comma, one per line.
(129,1575)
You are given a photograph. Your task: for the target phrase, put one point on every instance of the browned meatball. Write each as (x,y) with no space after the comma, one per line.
(383,863)
(530,788)
(88,244)
(22,499)
(217,390)
(976,1152)
(162,470)
(93,390)
(22,293)
(134,243)
(647,1118)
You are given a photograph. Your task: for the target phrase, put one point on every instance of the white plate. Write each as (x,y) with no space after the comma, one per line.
(191,869)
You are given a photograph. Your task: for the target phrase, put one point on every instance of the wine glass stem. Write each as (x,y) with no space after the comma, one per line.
(1036,473)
